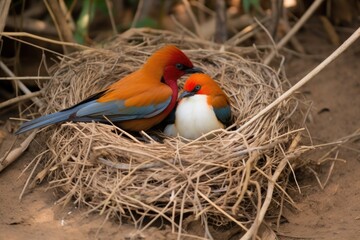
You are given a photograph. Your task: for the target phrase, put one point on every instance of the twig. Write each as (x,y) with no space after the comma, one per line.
(19,99)
(330,30)
(4,10)
(26,78)
(126,166)
(330,170)
(109,6)
(20,84)
(177,23)
(204,9)
(68,18)
(138,13)
(276,10)
(59,19)
(293,40)
(246,33)
(295,28)
(305,79)
(29,35)
(316,176)
(193,18)
(221,29)
(15,153)
(271,185)
(32,25)
(37,160)
(222,211)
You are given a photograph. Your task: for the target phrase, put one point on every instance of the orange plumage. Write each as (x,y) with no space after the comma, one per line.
(136,102)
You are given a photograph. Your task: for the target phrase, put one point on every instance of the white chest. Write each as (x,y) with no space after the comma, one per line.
(194,117)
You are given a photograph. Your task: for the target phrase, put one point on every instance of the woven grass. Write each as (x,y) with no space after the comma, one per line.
(220,180)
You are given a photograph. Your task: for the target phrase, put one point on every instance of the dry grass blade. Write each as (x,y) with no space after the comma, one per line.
(49,40)
(19,99)
(307,78)
(4,10)
(15,153)
(59,18)
(192,17)
(22,86)
(293,30)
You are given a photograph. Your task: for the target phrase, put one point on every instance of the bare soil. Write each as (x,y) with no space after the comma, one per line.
(329,213)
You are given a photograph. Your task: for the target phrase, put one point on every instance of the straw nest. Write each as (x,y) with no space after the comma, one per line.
(222,180)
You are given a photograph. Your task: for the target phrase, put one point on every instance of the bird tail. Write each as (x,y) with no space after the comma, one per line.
(46,120)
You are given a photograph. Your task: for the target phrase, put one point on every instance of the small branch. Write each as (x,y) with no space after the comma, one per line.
(33,36)
(59,19)
(283,162)
(271,184)
(31,78)
(330,30)
(193,18)
(246,33)
(222,211)
(15,153)
(4,10)
(32,25)
(178,24)
(138,13)
(126,166)
(68,18)
(221,29)
(145,9)
(109,6)
(22,86)
(19,99)
(276,10)
(305,79)
(294,30)
(293,40)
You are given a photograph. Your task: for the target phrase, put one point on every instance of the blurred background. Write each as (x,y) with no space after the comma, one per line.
(260,23)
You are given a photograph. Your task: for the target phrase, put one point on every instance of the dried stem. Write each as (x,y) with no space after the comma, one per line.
(22,86)
(293,30)
(305,79)
(4,10)
(193,18)
(19,99)
(221,29)
(59,18)
(16,153)
(109,6)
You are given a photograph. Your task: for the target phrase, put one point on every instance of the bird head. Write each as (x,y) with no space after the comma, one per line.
(170,63)
(200,83)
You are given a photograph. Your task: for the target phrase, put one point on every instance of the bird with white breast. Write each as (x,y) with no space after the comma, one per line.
(201,108)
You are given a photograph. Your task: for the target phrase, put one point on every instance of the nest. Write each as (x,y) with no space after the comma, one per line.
(222,180)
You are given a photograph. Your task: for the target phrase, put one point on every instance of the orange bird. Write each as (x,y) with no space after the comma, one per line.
(136,102)
(201,108)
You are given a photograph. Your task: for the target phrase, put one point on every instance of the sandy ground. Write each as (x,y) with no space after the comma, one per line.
(331,213)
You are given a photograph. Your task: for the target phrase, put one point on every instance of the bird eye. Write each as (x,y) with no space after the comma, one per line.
(197,88)
(180,66)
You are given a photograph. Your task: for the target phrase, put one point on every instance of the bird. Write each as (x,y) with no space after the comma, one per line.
(136,102)
(201,108)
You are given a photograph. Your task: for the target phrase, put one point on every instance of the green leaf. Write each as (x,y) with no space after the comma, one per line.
(83,22)
(248,4)
(147,22)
